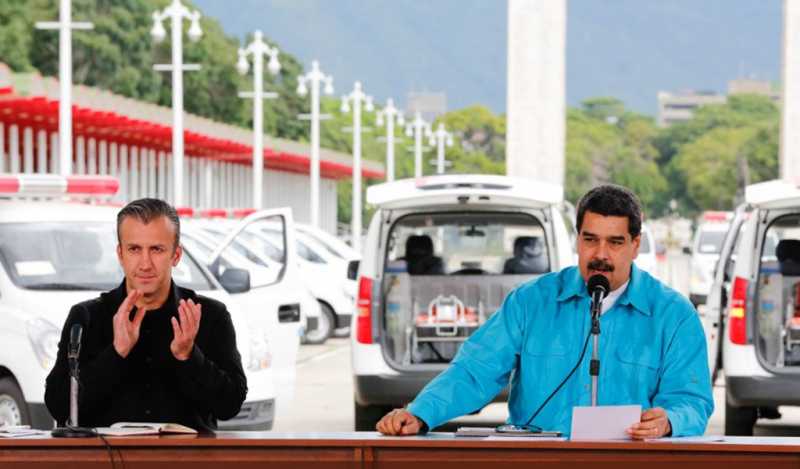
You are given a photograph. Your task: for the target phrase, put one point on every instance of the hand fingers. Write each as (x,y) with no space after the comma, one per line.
(652,414)
(193,316)
(176,328)
(139,317)
(129,302)
(411,427)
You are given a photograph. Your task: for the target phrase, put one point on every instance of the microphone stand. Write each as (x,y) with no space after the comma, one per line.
(72,430)
(594,366)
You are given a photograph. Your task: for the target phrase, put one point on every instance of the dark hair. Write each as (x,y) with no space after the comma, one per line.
(146,210)
(611,200)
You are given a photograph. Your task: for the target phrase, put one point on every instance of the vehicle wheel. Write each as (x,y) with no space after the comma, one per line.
(367,416)
(13,409)
(325,325)
(739,421)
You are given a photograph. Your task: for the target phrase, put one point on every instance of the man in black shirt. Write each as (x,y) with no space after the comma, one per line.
(146,356)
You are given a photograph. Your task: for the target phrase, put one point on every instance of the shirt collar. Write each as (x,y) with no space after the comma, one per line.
(634,295)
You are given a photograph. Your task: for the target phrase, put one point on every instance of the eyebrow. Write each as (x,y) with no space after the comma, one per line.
(587,234)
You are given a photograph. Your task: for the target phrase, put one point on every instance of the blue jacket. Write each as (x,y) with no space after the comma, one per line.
(652,352)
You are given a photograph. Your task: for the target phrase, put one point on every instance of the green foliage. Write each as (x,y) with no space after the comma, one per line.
(119,54)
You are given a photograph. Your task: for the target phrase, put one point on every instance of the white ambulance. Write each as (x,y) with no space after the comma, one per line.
(441,254)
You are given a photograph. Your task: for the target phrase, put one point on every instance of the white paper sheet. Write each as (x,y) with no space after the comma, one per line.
(688,439)
(604,422)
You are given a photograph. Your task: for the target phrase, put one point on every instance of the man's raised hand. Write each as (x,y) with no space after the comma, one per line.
(185,330)
(126,331)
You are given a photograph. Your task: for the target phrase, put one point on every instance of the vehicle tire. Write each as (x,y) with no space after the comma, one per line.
(367,416)
(325,325)
(13,409)
(739,421)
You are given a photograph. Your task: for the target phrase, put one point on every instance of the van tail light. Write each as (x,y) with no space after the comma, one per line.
(737,324)
(364,311)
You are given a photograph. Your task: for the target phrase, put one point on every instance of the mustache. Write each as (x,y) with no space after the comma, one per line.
(601,265)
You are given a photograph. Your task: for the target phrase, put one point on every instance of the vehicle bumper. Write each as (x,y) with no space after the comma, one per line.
(763,391)
(40,416)
(398,389)
(255,416)
(343,320)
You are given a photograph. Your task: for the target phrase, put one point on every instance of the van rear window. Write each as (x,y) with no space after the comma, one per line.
(470,244)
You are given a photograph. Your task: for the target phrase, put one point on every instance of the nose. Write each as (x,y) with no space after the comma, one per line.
(602,250)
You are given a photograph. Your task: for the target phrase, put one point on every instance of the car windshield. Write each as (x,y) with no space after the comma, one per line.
(710,242)
(475,243)
(74,256)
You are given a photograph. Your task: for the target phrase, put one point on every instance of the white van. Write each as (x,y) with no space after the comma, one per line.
(441,254)
(753,308)
(647,259)
(705,253)
(56,254)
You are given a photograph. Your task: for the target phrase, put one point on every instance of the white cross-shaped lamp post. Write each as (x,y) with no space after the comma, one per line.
(65,27)
(315,77)
(390,113)
(176,12)
(416,129)
(258,48)
(356,97)
(440,138)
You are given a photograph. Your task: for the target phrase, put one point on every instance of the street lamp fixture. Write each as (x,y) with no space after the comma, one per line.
(357,96)
(417,129)
(393,116)
(258,49)
(64,25)
(315,77)
(176,12)
(440,138)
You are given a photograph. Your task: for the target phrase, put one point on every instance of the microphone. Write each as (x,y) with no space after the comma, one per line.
(599,288)
(74,343)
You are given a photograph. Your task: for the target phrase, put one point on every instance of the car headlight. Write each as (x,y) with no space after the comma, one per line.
(44,338)
(260,356)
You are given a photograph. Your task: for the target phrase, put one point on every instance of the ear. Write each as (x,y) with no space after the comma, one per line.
(177,256)
(119,254)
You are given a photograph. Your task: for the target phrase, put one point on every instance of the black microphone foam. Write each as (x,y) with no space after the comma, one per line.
(600,281)
(75,340)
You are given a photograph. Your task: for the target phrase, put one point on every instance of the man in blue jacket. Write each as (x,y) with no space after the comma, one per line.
(652,347)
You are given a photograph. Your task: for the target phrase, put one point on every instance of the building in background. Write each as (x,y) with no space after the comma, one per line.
(536,126)
(429,105)
(680,107)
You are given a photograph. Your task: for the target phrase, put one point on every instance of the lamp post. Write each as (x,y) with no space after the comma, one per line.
(64,25)
(176,12)
(315,77)
(440,138)
(258,49)
(356,97)
(390,112)
(416,129)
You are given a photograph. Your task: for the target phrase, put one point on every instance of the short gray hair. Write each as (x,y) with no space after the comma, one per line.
(146,210)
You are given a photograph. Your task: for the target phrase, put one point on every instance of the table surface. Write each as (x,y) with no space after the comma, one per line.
(375,440)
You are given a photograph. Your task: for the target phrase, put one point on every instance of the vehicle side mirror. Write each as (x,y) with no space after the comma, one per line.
(352,270)
(235,280)
(687,249)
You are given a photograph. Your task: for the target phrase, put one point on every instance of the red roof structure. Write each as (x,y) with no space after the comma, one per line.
(30,101)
